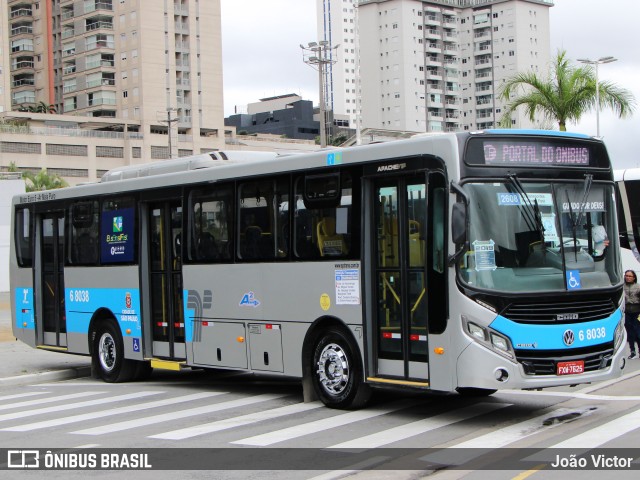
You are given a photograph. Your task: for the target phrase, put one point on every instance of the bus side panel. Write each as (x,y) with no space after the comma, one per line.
(23,315)
(287,296)
(85,295)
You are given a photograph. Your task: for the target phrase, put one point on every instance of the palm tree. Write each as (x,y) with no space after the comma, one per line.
(43,181)
(567,94)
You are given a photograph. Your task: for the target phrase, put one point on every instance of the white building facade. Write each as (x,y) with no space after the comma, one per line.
(438,65)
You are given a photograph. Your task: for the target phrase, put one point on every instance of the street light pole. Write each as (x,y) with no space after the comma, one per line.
(597,62)
(317,55)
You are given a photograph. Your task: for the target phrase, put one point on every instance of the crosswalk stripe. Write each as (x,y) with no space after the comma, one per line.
(114,411)
(28,403)
(325,424)
(466,451)
(126,425)
(412,429)
(234,422)
(597,436)
(20,395)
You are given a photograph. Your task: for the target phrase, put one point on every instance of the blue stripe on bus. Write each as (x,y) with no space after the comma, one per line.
(24,314)
(550,337)
(124,303)
(546,133)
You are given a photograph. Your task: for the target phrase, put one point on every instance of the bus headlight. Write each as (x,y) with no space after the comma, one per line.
(499,342)
(619,335)
(477,331)
(489,338)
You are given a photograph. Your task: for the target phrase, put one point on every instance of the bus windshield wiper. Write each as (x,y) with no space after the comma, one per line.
(533,216)
(576,219)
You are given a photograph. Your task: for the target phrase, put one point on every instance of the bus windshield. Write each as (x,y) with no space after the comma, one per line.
(527,236)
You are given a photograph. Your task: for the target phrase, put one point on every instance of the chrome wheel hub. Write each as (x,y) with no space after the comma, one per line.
(333,369)
(107,352)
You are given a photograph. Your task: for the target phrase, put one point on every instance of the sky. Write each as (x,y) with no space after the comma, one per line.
(262,56)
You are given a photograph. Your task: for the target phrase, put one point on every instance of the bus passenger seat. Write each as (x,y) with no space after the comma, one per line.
(330,243)
(207,249)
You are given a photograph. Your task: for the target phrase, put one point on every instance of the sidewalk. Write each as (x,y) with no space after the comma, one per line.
(21,364)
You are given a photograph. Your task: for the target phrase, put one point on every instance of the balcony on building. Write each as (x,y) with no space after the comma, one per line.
(432,34)
(21,45)
(182,46)
(433,47)
(21,28)
(435,114)
(484,73)
(101,79)
(486,101)
(99,60)
(93,5)
(483,60)
(68,31)
(432,60)
(182,27)
(23,80)
(25,62)
(431,19)
(434,86)
(23,98)
(20,10)
(98,22)
(434,73)
(66,12)
(99,40)
(69,67)
(483,87)
(181,10)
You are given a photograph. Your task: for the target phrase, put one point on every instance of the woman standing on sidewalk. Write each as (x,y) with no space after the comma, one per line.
(632,310)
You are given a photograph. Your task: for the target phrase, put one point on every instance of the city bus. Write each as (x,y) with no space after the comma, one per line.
(466,262)
(628,203)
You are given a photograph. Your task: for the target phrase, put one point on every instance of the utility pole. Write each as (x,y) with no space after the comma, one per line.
(319,55)
(169,120)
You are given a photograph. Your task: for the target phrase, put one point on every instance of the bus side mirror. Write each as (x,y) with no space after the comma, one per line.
(459,223)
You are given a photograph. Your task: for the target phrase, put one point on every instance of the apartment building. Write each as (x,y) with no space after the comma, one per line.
(437,65)
(337,24)
(149,70)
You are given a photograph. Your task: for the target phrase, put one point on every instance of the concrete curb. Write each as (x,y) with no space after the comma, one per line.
(42,377)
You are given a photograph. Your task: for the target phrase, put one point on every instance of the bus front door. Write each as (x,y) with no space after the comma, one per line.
(53,318)
(165,270)
(399,266)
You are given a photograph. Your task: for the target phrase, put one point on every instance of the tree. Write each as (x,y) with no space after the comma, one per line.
(40,107)
(43,181)
(564,96)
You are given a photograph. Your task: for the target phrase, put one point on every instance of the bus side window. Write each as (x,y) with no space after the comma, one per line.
(210,218)
(322,216)
(83,242)
(23,237)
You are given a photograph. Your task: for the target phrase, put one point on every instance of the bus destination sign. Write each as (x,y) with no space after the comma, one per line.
(518,152)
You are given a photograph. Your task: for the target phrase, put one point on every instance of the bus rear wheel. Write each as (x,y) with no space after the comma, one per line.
(337,372)
(108,355)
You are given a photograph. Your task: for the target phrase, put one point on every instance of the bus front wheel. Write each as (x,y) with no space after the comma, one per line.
(108,355)
(337,371)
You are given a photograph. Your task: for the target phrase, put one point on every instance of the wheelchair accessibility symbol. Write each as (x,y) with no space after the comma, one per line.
(573,279)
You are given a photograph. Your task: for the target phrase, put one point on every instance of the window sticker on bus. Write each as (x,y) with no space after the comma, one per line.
(549,225)
(485,254)
(348,286)
(118,236)
(573,280)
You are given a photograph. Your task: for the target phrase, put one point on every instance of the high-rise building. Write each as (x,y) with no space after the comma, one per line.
(438,65)
(153,65)
(337,24)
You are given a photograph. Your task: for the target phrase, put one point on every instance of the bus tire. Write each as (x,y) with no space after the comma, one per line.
(475,392)
(108,355)
(336,371)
